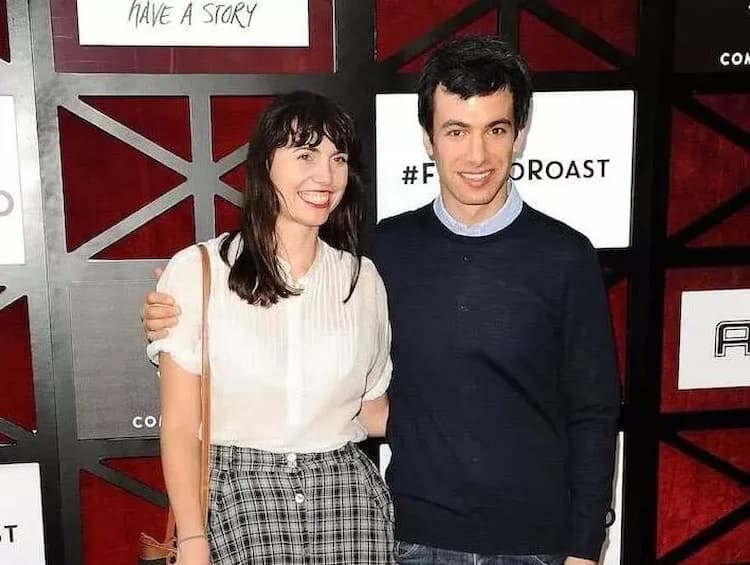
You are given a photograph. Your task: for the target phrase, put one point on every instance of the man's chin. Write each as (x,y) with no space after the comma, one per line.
(475,199)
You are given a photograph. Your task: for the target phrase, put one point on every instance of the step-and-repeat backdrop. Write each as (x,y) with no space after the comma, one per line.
(140,124)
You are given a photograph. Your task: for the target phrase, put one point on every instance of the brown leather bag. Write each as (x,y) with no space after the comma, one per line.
(151,551)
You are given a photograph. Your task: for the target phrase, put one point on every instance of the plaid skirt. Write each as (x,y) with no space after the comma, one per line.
(298,508)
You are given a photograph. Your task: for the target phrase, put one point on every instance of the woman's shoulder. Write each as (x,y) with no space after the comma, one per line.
(213,246)
(347,261)
(188,260)
(369,269)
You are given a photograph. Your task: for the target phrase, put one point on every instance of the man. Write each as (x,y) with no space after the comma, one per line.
(504,398)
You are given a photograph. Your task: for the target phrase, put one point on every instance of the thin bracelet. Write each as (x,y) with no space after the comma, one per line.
(188,538)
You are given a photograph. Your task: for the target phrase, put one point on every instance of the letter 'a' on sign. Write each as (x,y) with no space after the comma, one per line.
(21,529)
(714,339)
(194,23)
(12,251)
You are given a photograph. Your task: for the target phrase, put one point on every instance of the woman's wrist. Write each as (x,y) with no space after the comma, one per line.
(181,540)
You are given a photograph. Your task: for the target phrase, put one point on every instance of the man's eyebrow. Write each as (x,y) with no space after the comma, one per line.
(454,123)
(500,122)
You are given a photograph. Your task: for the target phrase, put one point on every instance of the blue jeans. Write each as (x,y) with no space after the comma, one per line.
(416,554)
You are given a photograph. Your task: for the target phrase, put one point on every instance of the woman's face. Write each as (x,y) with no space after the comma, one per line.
(310,181)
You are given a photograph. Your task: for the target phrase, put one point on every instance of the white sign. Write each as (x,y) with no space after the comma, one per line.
(11,218)
(714,339)
(384,455)
(576,165)
(613,543)
(21,529)
(228,23)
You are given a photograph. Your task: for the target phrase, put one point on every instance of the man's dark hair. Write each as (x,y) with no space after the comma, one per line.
(475,66)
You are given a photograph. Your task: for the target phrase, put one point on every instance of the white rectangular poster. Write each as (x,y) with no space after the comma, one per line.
(576,165)
(612,550)
(251,23)
(21,525)
(11,218)
(714,339)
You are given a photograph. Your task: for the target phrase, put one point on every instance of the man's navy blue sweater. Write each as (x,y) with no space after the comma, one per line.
(505,395)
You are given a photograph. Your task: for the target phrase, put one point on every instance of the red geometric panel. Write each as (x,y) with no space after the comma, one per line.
(706,169)
(144,469)
(733,107)
(732,446)
(546,49)
(70,57)
(618,309)
(111,519)
(733,231)
(398,23)
(104,179)
(236,177)
(615,20)
(677,281)
(4,32)
(232,121)
(17,402)
(227,215)
(730,548)
(487,24)
(159,238)
(162,119)
(691,497)
(5,440)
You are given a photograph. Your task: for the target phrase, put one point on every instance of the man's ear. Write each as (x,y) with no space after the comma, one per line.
(427,142)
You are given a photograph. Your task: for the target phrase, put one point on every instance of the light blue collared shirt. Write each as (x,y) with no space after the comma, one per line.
(498,221)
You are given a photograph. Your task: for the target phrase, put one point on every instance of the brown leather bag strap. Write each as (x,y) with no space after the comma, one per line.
(171,533)
(205,387)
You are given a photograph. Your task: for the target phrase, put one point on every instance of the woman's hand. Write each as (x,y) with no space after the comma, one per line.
(374,416)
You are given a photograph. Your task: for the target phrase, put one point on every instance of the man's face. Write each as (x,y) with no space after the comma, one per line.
(473,144)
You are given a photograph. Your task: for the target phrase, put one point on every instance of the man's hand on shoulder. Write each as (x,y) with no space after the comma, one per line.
(158,313)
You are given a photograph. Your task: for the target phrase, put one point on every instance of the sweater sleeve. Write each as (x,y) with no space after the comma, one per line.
(183,280)
(591,397)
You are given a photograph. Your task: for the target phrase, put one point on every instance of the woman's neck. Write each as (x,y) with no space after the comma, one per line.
(298,245)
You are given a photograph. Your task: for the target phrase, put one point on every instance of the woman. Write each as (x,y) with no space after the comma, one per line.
(299,351)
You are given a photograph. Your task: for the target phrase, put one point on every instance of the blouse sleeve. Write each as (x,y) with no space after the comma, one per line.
(183,280)
(379,375)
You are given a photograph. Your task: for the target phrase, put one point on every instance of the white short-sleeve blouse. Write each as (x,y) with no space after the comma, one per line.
(290,377)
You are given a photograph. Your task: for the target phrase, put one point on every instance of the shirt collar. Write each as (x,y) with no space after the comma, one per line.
(500,220)
(286,269)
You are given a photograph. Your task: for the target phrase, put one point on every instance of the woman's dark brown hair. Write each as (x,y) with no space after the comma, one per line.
(303,119)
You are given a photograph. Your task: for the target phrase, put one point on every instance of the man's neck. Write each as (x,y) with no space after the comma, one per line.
(472,214)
